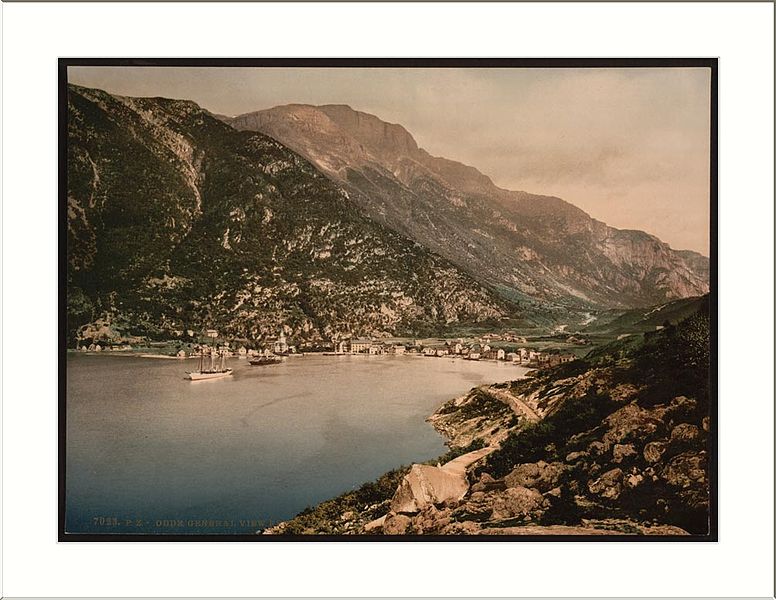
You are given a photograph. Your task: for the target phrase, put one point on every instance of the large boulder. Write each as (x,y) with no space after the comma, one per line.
(396,524)
(681,409)
(685,432)
(632,423)
(608,485)
(654,451)
(425,485)
(431,520)
(686,470)
(518,503)
(540,475)
(622,451)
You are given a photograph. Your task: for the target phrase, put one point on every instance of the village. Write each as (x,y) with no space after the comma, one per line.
(479,349)
(509,348)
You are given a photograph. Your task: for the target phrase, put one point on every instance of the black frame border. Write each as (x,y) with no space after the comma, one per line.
(409,63)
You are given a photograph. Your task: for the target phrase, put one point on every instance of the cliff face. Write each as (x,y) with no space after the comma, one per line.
(615,443)
(177,221)
(529,246)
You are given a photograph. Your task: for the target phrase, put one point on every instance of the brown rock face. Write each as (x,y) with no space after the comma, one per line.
(425,485)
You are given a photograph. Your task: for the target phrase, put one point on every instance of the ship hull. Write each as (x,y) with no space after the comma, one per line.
(202,376)
(264,361)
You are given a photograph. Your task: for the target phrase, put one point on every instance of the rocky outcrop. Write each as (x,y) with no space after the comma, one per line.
(425,485)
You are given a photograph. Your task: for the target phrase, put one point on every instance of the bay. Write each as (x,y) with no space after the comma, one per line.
(148,451)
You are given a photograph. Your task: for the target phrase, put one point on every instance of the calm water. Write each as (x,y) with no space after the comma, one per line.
(149,451)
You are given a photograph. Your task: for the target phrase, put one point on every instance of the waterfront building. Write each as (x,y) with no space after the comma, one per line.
(360,345)
(280,345)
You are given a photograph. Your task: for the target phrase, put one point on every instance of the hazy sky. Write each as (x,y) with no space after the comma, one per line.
(628,146)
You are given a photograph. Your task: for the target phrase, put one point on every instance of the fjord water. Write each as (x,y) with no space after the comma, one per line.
(148,451)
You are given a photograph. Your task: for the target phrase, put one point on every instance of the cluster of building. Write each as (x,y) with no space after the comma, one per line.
(468,351)
(94,347)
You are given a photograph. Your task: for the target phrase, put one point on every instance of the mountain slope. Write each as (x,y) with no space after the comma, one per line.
(177,221)
(620,443)
(528,246)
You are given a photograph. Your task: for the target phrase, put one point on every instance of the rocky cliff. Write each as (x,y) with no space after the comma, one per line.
(176,221)
(531,247)
(615,443)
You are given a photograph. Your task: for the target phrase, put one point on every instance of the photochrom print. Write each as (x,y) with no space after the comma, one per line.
(388,299)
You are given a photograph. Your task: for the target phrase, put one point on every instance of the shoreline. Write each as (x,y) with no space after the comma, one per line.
(153,356)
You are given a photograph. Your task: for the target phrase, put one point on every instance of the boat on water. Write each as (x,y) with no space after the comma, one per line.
(212,365)
(265,359)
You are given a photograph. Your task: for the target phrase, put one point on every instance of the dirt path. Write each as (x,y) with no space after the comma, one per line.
(518,406)
(458,466)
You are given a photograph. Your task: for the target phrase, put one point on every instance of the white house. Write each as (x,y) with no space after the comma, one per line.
(280,346)
(360,345)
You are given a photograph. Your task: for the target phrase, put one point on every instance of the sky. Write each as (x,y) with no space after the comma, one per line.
(628,146)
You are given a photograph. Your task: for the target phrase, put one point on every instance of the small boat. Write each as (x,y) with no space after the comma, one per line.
(259,361)
(215,369)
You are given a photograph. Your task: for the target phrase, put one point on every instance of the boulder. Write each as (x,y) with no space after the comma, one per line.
(633,480)
(430,520)
(375,526)
(477,507)
(654,451)
(686,470)
(632,423)
(395,524)
(517,503)
(685,432)
(681,409)
(461,528)
(575,456)
(622,451)
(541,475)
(486,482)
(425,485)
(705,423)
(607,485)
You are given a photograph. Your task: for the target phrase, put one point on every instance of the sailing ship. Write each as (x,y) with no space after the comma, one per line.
(212,365)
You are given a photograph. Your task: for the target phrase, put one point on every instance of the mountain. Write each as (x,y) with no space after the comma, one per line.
(642,320)
(529,247)
(177,221)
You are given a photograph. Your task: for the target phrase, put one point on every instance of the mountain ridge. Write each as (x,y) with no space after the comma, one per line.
(436,200)
(178,222)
